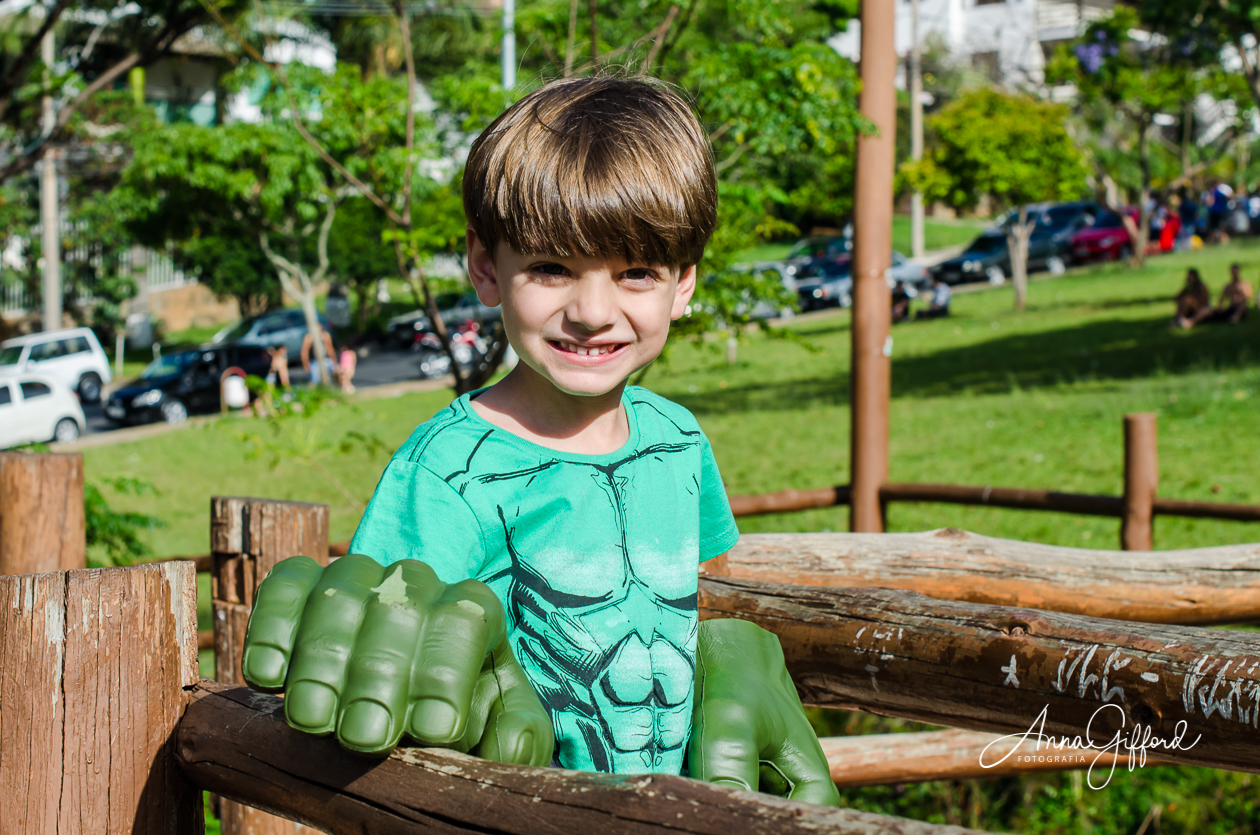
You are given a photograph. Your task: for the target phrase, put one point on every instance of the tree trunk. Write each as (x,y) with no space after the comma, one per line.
(1144,198)
(1017,238)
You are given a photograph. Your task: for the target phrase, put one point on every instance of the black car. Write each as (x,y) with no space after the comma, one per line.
(826,284)
(182,382)
(807,253)
(986,259)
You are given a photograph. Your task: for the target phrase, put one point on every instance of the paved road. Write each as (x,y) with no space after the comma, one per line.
(383,368)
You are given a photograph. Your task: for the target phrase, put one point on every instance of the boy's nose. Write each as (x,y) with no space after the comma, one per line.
(593,304)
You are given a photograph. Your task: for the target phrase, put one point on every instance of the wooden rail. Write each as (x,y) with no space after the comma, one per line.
(1016,498)
(998,668)
(883,759)
(235,742)
(1200,586)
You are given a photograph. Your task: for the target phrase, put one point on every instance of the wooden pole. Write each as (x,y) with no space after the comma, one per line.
(235,742)
(1141,481)
(872,304)
(1012,670)
(247,538)
(94,665)
(1193,587)
(41,513)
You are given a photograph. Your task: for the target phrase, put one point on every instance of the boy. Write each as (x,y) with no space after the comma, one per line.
(583,505)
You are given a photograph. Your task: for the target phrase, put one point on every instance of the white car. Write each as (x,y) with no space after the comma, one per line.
(73,356)
(38,408)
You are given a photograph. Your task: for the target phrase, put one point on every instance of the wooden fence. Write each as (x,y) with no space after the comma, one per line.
(939,627)
(1136,508)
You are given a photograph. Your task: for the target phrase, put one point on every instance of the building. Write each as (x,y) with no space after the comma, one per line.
(1007,40)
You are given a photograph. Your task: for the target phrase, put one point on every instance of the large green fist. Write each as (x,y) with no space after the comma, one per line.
(749,729)
(372,652)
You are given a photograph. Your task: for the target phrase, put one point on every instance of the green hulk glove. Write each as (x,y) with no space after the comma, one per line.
(748,727)
(372,652)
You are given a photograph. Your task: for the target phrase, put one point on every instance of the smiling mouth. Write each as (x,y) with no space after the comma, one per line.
(587,350)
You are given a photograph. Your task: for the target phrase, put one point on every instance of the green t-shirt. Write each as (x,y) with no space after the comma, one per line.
(594,557)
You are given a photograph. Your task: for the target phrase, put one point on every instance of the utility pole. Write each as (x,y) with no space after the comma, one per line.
(509,44)
(872,303)
(916,128)
(49,204)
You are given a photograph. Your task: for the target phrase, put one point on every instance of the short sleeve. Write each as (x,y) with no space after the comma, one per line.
(416,515)
(717,525)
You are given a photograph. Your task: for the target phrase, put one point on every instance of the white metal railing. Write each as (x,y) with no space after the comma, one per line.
(161,273)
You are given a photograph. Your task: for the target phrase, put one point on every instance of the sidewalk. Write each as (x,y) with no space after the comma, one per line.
(150,430)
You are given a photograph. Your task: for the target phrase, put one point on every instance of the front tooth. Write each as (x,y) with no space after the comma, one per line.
(582,350)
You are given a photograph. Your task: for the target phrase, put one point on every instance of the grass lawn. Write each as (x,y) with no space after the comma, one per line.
(988,396)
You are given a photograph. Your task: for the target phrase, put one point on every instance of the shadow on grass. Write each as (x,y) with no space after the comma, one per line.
(1114,349)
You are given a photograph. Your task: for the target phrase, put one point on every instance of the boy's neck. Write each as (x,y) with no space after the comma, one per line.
(531,407)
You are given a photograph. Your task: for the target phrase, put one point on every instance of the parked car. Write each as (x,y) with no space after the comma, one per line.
(408,329)
(182,382)
(831,283)
(72,356)
(807,253)
(826,284)
(1105,240)
(38,407)
(270,330)
(985,259)
(908,272)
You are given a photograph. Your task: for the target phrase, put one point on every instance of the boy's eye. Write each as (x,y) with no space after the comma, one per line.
(549,268)
(640,274)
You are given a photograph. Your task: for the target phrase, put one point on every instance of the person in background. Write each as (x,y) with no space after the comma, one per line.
(1188,214)
(1194,302)
(312,368)
(900,303)
(1235,298)
(279,370)
(346,362)
(941,294)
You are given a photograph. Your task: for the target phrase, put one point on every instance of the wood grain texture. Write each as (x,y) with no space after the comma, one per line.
(234,741)
(41,513)
(248,537)
(885,759)
(93,698)
(998,669)
(1192,587)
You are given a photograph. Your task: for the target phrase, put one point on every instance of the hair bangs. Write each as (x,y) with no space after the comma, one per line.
(595,167)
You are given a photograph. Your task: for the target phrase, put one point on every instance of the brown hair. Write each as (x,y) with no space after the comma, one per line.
(600,167)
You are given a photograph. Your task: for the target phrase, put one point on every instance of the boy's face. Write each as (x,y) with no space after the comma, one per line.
(584,324)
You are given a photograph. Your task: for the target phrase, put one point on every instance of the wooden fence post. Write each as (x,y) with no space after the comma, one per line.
(1141,480)
(41,513)
(247,538)
(97,666)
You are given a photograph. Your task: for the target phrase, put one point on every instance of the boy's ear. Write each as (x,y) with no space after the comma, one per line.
(481,270)
(683,292)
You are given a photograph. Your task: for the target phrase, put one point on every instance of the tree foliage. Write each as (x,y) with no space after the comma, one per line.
(1012,148)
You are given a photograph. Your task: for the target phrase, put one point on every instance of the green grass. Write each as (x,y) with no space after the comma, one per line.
(988,396)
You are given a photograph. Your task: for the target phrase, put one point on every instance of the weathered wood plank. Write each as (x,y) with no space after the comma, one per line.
(1199,586)
(100,689)
(235,742)
(884,759)
(41,513)
(996,668)
(32,710)
(248,537)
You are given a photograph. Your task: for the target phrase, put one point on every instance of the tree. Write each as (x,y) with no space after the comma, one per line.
(1010,147)
(779,103)
(263,178)
(1140,80)
(98,43)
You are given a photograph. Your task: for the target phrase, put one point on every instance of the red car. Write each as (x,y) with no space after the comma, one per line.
(1105,239)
